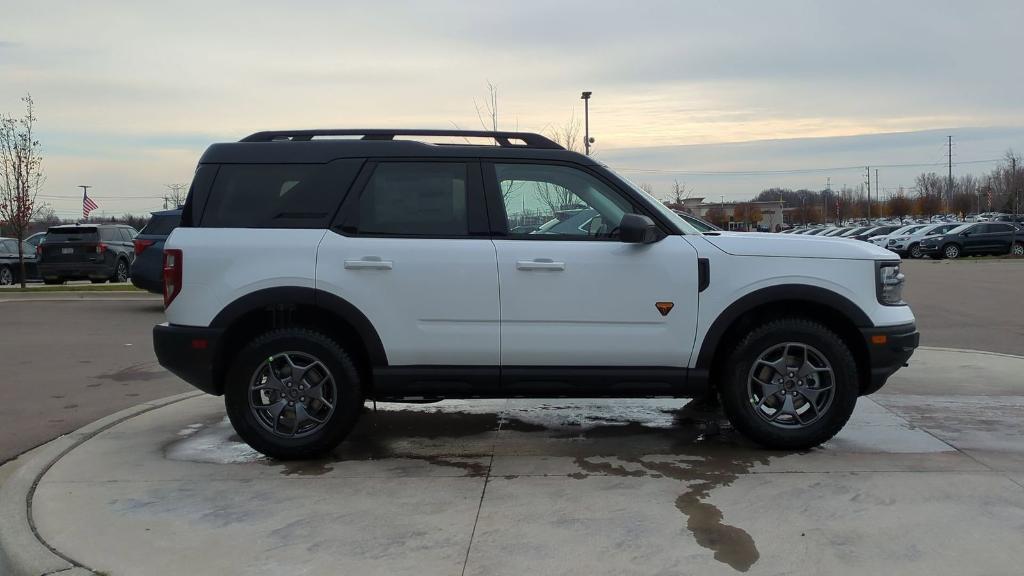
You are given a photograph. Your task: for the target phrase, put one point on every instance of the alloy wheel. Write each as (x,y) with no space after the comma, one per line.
(1018,249)
(6,277)
(915,251)
(122,272)
(951,251)
(791,385)
(292,394)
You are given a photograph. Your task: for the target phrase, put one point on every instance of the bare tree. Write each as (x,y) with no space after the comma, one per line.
(679,195)
(488,113)
(568,135)
(176,195)
(21,175)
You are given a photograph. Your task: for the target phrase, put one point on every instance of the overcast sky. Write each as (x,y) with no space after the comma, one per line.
(130,93)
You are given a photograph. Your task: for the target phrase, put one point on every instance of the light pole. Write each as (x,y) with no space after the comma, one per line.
(586,120)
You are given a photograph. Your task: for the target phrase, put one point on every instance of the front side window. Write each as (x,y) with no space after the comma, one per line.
(415,199)
(545,201)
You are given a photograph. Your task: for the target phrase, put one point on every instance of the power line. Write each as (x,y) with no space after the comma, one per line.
(794,170)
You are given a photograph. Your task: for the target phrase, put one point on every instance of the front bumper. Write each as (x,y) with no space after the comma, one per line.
(889,348)
(190,353)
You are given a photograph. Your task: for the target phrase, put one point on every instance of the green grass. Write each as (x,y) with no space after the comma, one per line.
(78,288)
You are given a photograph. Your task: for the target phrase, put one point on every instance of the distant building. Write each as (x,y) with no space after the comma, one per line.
(773,213)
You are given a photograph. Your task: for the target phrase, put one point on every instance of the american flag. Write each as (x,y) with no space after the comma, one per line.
(87,204)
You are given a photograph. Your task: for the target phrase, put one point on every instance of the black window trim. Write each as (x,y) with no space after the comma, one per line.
(345,221)
(499,218)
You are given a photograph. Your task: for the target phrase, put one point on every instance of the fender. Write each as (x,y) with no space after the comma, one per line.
(770,294)
(270,297)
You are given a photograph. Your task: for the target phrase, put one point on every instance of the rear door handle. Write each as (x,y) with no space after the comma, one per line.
(540,264)
(368,263)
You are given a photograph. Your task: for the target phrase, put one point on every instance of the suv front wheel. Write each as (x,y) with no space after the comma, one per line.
(293,394)
(790,384)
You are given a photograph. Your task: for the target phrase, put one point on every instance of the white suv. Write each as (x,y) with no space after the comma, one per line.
(314,270)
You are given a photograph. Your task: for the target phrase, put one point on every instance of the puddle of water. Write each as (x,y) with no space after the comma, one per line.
(639,439)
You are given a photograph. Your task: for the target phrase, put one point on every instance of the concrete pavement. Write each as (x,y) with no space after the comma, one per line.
(927,478)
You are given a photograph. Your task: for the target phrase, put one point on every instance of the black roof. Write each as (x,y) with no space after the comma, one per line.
(315,146)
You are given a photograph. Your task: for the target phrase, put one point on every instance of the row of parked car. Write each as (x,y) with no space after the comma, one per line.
(936,240)
(95,252)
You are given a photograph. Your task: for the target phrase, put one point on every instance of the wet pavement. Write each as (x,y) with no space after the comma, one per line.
(917,483)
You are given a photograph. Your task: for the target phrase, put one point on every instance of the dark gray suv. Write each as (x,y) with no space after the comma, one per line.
(98,252)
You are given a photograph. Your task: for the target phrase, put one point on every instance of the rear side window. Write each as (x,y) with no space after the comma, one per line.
(277,195)
(110,235)
(415,199)
(127,234)
(161,224)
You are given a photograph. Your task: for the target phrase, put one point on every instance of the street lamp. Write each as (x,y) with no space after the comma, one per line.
(586,121)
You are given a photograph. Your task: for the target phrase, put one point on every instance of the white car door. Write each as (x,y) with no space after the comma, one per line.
(410,250)
(572,294)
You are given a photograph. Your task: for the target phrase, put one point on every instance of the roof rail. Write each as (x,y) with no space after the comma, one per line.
(504,139)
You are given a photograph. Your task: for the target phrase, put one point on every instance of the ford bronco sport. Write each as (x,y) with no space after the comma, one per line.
(316,269)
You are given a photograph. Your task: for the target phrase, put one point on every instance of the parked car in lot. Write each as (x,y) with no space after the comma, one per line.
(909,243)
(883,239)
(147,268)
(310,274)
(35,239)
(871,232)
(97,252)
(979,238)
(10,266)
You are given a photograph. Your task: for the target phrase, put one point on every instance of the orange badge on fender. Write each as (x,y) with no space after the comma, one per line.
(664,307)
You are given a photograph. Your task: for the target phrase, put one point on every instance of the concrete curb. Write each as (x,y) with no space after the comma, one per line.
(22,550)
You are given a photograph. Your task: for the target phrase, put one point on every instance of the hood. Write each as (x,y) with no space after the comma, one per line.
(763,244)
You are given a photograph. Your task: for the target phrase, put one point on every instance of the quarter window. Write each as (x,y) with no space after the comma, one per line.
(546,201)
(415,199)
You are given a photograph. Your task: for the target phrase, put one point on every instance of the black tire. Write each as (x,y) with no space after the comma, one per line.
(915,251)
(53,281)
(6,276)
(348,400)
(733,384)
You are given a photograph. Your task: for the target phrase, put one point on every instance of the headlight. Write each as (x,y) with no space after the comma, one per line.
(890,283)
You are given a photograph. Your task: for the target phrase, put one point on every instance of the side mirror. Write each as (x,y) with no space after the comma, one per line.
(638,229)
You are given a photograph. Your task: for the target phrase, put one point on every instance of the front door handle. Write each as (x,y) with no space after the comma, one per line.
(540,264)
(368,263)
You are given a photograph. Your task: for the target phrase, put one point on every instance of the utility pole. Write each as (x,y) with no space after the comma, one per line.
(867,172)
(878,191)
(824,199)
(949,184)
(1013,184)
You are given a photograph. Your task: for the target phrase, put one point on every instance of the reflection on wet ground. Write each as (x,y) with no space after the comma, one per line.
(693,445)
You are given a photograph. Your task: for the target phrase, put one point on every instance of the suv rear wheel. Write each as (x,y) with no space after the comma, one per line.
(6,276)
(791,384)
(293,393)
(120,272)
